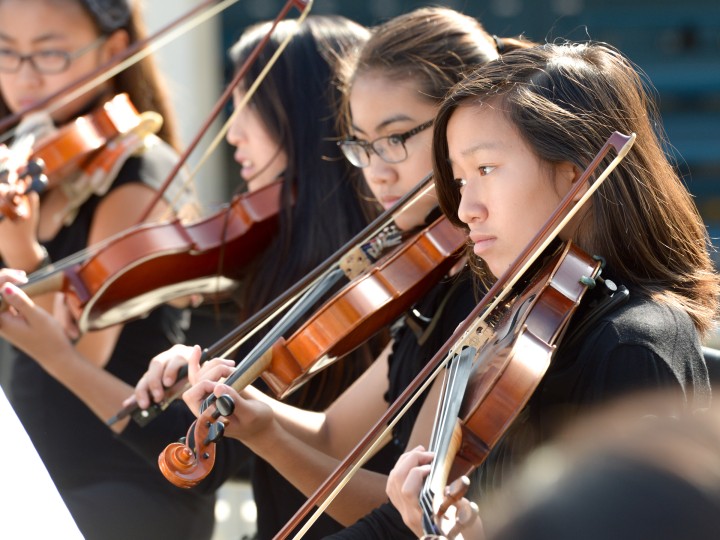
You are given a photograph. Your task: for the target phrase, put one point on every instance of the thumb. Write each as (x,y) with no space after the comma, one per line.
(194,364)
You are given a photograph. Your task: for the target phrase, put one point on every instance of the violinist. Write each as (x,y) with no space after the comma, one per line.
(286,134)
(389,103)
(509,141)
(110,491)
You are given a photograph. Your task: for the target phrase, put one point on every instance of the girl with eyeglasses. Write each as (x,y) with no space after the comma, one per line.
(285,135)
(110,490)
(392,91)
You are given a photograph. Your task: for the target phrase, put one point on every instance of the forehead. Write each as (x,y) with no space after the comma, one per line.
(30,19)
(377,100)
(477,126)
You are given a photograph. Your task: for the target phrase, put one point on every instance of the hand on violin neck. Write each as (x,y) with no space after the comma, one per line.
(215,369)
(10,275)
(32,329)
(250,421)
(161,375)
(19,247)
(404,484)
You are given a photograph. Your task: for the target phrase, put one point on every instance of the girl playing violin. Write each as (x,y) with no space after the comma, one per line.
(110,490)
(509,141)
(286,134)
(393,88)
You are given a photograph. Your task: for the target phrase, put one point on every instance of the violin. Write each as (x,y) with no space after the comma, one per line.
(72,147)
(503,373)
(368,303)
(372,301)
(151,264)
(75,143)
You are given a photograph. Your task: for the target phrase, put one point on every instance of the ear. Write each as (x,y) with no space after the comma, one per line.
(566,174)
(116,42)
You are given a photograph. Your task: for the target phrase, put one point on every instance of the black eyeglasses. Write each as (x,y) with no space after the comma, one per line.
(46,61)
(391,149)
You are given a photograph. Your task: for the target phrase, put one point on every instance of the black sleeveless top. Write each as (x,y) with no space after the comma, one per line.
(75,446)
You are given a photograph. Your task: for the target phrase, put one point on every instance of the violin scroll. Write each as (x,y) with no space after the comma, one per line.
(187,462)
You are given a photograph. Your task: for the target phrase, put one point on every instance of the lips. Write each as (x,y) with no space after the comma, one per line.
(482,242)
(246,164)
(388,201)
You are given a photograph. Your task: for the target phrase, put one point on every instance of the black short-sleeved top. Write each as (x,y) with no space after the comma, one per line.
(613,346)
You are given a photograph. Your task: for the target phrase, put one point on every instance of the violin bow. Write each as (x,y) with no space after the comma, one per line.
(468,334)
(133,54)
(254,324)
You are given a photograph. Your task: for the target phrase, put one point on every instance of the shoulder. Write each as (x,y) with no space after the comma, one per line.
(645,323)
(641,345)
(148,170)
(151,166)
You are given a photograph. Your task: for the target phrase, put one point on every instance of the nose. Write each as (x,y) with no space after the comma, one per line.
(27,70)
(379,172)
(471,208)
(235,132)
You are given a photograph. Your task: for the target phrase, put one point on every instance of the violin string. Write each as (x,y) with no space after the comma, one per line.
(309,299)
(426,494)
(454,385)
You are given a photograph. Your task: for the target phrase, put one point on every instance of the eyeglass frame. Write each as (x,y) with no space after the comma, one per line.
(68,56)
(369,147)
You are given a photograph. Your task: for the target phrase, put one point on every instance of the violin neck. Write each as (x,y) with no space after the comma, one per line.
(48,283)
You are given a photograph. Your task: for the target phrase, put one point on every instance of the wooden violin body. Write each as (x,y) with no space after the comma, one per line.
(510,367)
(367,304)
(155,263)
(76,142)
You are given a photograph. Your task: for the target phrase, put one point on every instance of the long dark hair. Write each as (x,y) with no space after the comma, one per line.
(141,81)
(565,100)
(297,101)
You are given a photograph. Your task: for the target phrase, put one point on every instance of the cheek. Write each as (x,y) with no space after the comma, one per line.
(412,172)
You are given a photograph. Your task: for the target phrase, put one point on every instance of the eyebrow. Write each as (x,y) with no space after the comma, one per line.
(385,123)
(40,39)
(480,146)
